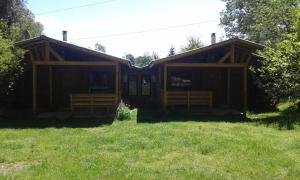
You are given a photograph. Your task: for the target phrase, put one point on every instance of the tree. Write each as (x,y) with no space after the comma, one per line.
(154,56)
(10,67)
(193,43)
(144,60)
(279,73)
(171,51)
(130,57)
(259,20)
(17,22)
(99,47)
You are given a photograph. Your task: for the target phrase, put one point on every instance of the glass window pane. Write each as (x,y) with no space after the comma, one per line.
(132,85)
(146,86)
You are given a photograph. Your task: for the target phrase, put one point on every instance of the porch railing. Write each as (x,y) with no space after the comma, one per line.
(189,98)
(92,101)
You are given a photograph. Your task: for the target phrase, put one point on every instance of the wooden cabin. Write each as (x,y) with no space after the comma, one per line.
(61,76)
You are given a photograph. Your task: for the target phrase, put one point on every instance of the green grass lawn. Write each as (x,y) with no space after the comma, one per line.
(257,148)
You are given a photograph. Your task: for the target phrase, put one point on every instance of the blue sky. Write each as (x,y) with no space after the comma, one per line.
(89,25)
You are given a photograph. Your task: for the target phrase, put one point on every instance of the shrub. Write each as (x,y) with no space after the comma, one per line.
(123,112)
(10,68)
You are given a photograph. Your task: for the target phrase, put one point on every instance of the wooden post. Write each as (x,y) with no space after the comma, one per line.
(158,84)
(50,86)
(232,53)
(117,83)
(228,86)
(34,89)
(165,87)
(245,88)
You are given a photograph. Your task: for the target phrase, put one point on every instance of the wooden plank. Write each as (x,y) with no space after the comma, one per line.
(228,86)
(224,58)
(74,63)
(206,65)
(55,54)
(232,53)
(34,83)
(50,86)
(165,87)
(245,88)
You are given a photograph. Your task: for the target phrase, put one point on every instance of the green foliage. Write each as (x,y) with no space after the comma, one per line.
(193,43)
(123,112)
(10,67)
(99,47)
(17,22)
(279,74)
(130,57)
(142,61)
(259,20)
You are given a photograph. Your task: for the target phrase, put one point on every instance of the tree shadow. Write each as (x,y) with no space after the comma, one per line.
(285,119)
(154,116)
(28,121)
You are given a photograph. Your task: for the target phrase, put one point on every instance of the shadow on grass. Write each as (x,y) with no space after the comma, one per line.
(153,116)
(27,121)
(283,119)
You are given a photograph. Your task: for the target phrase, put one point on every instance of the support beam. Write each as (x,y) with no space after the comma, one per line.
(245,89)
(55,54)
(224,58)
(232,53)
(50,86)
(75,63)
(206,65)
(165,87)
(228,86)
(34,89)
(117,83)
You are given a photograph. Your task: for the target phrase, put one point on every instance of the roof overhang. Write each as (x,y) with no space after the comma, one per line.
(250,44)
(26,44)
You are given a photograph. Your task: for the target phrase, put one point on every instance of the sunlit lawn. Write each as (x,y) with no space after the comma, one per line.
(131,150)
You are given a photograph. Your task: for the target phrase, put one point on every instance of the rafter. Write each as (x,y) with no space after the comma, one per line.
(55,54)
(224,58)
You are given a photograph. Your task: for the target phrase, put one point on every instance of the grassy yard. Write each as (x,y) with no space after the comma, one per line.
(261,147)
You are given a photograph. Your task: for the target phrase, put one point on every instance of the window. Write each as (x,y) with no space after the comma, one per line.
(98,82)
(132,86)
(180,80)
(146,86)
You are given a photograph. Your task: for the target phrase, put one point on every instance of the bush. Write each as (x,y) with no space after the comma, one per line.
(10,68)
(123,112)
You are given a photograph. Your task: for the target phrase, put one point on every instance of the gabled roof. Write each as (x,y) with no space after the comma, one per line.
(41,39)
(207,48)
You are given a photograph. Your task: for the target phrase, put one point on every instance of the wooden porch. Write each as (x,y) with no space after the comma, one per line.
(229,62)
(43,55)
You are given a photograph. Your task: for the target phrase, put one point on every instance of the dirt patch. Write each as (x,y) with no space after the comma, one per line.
(6,168)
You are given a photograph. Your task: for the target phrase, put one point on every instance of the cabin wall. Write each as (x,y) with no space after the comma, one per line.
(77,79)
(215,80)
